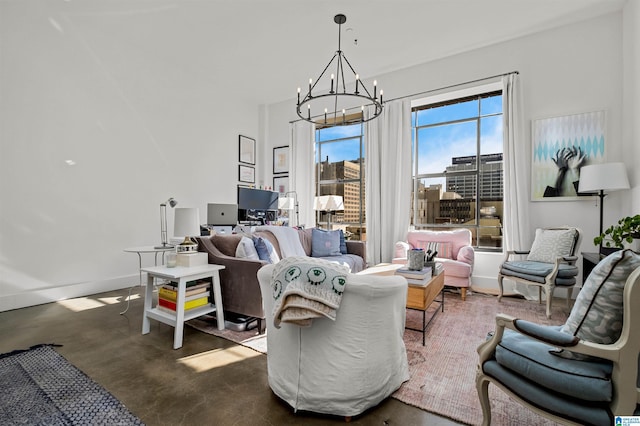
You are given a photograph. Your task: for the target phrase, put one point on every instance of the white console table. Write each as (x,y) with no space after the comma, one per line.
(181,275)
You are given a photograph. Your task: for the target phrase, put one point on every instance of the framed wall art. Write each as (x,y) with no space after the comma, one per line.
(280,159)
(247,150)
(281,184)
(561,146)
(246,174)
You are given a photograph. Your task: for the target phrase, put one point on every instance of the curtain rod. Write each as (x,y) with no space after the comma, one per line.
(451,86)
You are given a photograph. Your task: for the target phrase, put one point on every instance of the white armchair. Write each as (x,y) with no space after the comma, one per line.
(346,366)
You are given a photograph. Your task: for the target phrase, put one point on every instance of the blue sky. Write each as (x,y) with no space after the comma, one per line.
(442,143)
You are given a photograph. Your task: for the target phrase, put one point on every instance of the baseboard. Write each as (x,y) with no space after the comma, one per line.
(53,294)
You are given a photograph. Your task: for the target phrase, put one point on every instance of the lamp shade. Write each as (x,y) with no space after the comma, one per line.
(603,177)
(186,222)
(286,203)
(329,203)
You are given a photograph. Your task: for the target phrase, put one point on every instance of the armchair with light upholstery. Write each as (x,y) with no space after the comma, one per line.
(550,263)
(454,252)
(582,373)
(340,367)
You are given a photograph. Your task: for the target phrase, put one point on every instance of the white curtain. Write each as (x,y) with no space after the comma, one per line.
(517,233)
(516,171)
(301,171)
(387,179)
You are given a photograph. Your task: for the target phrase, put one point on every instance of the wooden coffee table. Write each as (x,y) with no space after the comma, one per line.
(420,297)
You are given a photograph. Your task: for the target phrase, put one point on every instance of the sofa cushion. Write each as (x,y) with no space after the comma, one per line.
(597,313)
(246,249)
(325,243)
(227,244)
(551,243)
(587,380)
(306,235)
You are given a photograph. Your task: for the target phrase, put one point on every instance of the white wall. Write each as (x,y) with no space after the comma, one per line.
(71,91)
(631,102)
(576,68)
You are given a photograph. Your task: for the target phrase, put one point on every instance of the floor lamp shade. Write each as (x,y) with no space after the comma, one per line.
(600,178)
(186,222)
(603,177)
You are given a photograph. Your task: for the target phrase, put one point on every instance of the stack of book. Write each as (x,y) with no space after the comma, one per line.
(197,294)
(416,277)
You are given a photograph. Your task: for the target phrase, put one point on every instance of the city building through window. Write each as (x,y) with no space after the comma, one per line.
(458,163)
(340,171)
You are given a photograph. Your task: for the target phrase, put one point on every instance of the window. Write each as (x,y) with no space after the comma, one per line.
(457,160)
(340,171)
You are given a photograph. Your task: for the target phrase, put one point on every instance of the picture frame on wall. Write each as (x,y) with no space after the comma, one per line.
(561,146)
(246,174)
(246,150)
(281,184)
(281,159)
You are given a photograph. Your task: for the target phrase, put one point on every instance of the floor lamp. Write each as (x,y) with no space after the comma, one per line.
(163,223)
(600,178)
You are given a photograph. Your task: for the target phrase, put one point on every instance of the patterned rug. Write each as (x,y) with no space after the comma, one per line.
(40,387)
(443,371)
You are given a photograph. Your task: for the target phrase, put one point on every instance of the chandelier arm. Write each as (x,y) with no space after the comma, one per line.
(354,73)
(320,77)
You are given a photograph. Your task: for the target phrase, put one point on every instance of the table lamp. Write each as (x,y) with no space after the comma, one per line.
(163,223)
(186,225)
(600,178)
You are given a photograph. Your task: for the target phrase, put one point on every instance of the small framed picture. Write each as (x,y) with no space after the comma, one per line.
(247,150)
(246,174)
(281,184)
(280,159)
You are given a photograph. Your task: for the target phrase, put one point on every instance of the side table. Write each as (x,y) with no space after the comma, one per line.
(589,261)
(139,251)
(420,297)
(181,275)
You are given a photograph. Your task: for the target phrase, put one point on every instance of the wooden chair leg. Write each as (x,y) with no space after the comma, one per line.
(463,293)
(500,287)
(482,385)
(347,419)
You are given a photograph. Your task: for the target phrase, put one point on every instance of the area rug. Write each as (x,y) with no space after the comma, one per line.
(251,338)
(442,373)
(40,387)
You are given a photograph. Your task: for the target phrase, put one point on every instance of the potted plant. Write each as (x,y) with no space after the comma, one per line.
(627,229)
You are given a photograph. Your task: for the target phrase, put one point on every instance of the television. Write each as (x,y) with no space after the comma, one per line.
(257,199)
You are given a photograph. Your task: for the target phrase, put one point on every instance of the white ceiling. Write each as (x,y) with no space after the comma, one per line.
(267,48)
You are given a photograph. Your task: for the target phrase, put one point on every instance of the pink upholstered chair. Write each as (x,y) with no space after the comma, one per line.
(454,252)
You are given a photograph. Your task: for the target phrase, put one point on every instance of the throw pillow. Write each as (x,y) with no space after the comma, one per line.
(343,243)
(325,243)
(265,250)
(551,243)
(443,248)
(597,313)
(246,249)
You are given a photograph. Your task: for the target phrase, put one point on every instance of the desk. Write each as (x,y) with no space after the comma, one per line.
(139,251)
(181,275)
(589,261)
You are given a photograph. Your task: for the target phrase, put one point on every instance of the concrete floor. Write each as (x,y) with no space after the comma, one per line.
(209,381)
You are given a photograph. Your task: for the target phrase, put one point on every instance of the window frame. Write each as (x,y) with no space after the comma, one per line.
(443,99)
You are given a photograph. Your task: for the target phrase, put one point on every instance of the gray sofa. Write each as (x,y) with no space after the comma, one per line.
(239,281)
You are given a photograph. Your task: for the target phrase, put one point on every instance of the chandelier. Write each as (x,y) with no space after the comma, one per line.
(336,106)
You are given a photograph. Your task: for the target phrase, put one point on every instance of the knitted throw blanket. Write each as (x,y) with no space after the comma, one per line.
(305,288)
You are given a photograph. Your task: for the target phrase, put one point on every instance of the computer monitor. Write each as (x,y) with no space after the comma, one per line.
(222,214)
